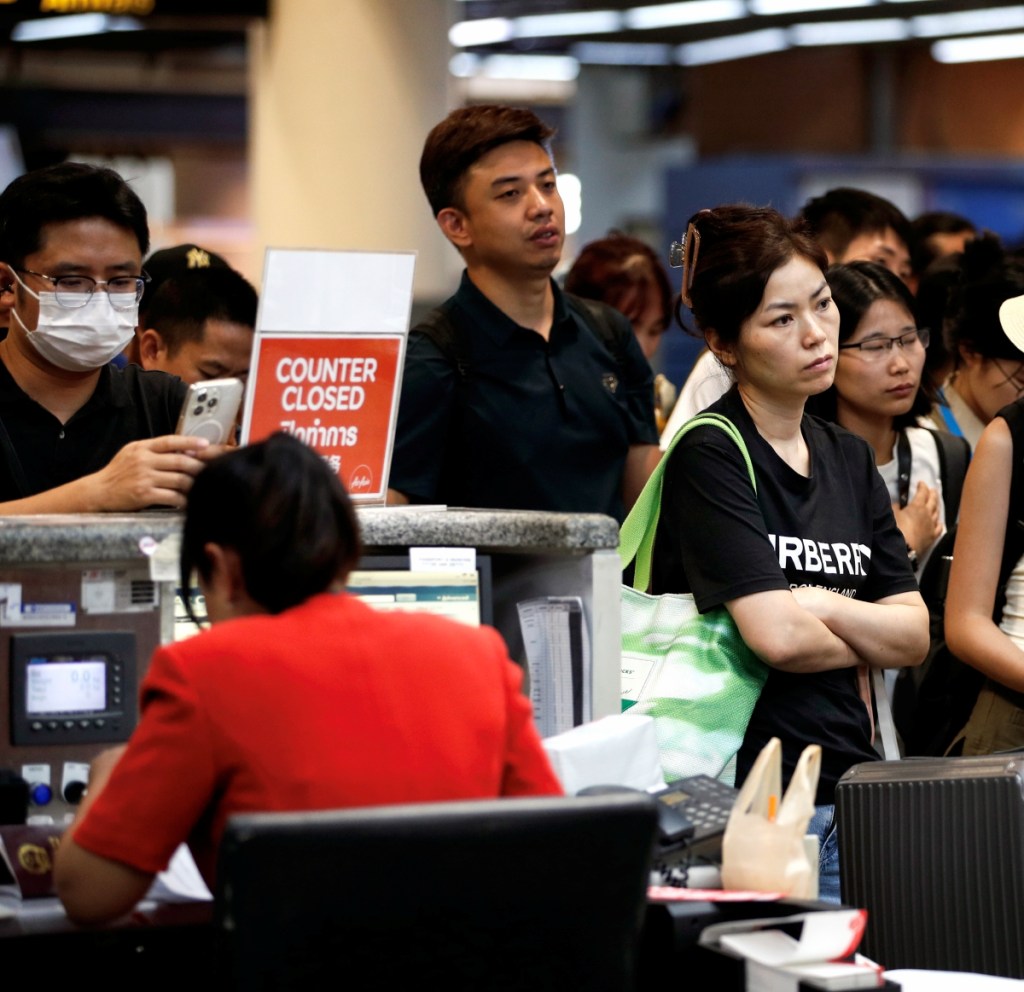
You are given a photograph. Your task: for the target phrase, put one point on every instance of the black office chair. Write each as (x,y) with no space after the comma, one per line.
(537,894)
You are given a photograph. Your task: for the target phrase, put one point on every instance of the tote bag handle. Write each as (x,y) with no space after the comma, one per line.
(636,538)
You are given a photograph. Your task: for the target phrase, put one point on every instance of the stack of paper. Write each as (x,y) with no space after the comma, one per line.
(806,951)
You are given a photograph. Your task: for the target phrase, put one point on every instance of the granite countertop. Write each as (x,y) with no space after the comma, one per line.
(125,536)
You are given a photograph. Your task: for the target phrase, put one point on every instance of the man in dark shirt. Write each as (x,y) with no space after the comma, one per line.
(515,395)
(75,434)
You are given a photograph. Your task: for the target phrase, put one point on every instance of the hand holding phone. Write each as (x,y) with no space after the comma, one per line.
(211,409)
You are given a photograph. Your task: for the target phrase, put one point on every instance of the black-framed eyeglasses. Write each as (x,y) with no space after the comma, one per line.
(75,291)
(874,348)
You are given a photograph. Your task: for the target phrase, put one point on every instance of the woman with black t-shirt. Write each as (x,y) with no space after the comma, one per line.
(812,569)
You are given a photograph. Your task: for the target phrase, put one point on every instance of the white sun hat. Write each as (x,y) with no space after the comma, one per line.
(1011,316)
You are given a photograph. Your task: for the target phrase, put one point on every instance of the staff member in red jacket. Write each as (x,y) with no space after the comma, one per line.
(301,697)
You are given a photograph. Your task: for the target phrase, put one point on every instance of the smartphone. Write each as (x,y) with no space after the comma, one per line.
(210,409)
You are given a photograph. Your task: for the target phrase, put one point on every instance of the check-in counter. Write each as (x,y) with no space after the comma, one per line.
(85,599)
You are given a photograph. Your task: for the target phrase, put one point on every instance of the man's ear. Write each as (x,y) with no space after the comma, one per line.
(454,224)
(7,284)
(152,349)
(725,353)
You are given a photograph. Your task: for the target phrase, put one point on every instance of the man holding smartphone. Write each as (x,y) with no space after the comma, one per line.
(76,434)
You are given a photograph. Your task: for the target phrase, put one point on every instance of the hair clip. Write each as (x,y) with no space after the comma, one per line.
(684,255)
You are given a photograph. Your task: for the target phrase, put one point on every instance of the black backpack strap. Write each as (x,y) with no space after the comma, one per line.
(601,320)
(954,457)
(447,335)
(450,337)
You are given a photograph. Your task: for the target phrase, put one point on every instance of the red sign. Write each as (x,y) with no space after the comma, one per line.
(338,394)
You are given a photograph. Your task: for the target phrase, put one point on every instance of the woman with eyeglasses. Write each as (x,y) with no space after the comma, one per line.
(988,369)
(811,567)
(879,394)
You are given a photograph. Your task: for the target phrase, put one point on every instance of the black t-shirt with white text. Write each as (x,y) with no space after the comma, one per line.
(832,529)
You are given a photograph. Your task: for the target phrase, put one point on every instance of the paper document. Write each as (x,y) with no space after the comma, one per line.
(829,935)
(180,881)
(558,660)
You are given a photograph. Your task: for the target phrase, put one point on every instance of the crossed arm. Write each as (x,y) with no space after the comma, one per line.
(816,630)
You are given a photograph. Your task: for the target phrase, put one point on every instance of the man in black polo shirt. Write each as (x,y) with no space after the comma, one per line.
(515,395)
(76,434)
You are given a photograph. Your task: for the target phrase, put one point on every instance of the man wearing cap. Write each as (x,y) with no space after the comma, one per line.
(77,434)
(514,394)
(197,316)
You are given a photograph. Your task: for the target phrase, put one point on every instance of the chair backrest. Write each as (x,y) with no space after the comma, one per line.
(539,893)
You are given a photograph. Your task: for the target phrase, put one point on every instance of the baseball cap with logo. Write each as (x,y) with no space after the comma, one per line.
(170,262)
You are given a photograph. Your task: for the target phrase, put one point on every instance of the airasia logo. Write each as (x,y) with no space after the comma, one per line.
(361,480)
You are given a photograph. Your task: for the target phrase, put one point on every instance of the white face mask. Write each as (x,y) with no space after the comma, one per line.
(81,339)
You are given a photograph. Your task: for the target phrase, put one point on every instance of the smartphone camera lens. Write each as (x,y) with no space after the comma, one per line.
(212,403)
(197,411)
(201,398)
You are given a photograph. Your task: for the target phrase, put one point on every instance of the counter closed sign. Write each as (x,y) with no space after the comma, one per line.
(327,361)
(335,393)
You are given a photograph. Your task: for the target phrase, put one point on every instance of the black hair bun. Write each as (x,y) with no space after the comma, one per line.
(983,259)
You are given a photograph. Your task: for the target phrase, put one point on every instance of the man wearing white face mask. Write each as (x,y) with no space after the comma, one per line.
(77,435)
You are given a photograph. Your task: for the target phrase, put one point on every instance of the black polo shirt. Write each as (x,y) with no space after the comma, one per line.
(534,424)
(127,405)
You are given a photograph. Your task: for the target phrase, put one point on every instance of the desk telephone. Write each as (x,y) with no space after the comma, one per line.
(692,813)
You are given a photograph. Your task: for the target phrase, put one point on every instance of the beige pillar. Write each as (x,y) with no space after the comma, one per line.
(343,94)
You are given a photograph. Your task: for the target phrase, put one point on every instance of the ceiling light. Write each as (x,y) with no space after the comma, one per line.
(616,53)
(851,32)
(768,7)
(571,191)
(72,26)
(737,46)
(665,15)
(556,69)
(487,31)
(968,22)
(986,48)
(562,25)
(463,65)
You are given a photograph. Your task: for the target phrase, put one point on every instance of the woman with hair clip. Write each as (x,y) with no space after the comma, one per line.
(812,568)
(300,698)
(879,393)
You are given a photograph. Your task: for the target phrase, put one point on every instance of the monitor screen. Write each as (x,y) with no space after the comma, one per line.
(66,685)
